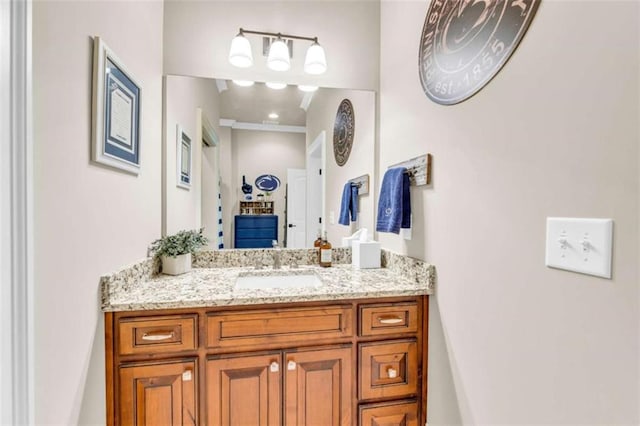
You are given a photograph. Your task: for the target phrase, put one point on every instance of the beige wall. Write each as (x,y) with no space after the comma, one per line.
(255,153)
(554,134)
(183,96)
(321,116)
(89,220)
(198,35)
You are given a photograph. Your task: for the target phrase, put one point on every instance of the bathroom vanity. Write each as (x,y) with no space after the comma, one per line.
(346,348)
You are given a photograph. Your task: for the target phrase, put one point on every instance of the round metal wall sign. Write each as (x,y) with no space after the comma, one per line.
(343,130)
(466,42)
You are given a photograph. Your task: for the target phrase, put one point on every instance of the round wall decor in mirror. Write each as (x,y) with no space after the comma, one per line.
(267,182)
(465,43)
(343,132)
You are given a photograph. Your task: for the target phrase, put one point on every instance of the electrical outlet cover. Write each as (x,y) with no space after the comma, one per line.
(580,245)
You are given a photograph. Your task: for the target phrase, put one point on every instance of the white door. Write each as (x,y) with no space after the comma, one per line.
(296,203)
(316,154)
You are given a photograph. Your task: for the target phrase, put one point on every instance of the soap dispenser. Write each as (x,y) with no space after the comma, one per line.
(325,252)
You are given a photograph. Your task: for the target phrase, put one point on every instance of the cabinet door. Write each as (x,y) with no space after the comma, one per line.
(244,390)
(318,387)
(158,394)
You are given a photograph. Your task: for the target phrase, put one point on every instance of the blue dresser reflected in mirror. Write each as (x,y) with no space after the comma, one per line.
(255,231)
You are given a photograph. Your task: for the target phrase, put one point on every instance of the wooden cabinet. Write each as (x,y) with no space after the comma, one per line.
(267,389)
(342,363)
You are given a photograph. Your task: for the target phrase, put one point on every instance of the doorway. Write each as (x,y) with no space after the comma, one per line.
(296,207)
(210,196)
(316,160)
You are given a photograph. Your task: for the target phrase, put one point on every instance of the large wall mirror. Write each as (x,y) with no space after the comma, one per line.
(278,136)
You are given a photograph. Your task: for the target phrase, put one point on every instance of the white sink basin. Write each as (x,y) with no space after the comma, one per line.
(278,281)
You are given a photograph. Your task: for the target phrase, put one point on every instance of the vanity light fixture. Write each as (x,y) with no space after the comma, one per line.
(275,85)
(307,88)
(278,58)
(240,53)
(243,83)
(315,62)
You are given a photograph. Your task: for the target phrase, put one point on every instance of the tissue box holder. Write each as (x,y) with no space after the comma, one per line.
(365,255)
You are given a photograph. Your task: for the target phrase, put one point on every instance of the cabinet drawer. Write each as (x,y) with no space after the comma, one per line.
(250,221)
(388,369)
(157,334)
(378,320)
(271,328)
(256,233)
(394,414)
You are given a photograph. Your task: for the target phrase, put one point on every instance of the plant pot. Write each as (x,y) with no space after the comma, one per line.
(176,265)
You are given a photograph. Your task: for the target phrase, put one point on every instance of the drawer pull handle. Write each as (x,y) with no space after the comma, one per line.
(291,365)
(157,337)
(392,373)
(274,367)
(390,320)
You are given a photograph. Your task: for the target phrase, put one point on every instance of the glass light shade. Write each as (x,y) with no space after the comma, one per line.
(273,116)
(307,88)
(278,59)
(315,61)
(240,53)
(243,83)
(275,85)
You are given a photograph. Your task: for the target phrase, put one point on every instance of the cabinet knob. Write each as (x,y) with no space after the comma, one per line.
(291,365)
(392,373)
(274,367)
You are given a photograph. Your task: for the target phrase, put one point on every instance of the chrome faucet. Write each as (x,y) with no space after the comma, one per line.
(276,255)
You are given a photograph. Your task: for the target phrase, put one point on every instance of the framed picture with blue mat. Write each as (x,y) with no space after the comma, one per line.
(183,159)
(115,112)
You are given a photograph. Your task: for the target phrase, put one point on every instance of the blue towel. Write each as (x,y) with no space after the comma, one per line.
(349,204)
(394,205)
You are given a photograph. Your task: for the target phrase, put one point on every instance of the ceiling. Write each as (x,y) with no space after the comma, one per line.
(254,104)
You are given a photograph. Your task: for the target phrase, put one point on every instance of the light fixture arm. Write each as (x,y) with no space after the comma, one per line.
(278,35)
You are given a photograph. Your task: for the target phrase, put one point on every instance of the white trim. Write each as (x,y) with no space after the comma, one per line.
(319,143)
(240,125)
(209,135)
(16,219)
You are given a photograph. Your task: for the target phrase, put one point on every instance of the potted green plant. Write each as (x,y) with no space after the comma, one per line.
(175,250)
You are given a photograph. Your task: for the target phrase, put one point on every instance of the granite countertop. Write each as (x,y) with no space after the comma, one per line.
(135,288)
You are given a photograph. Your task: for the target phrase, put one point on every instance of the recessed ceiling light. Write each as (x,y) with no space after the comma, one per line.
(306,88)
(273,115)
(275,85)
(243,83)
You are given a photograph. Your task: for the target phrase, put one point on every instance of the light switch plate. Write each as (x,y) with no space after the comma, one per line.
(580,245)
